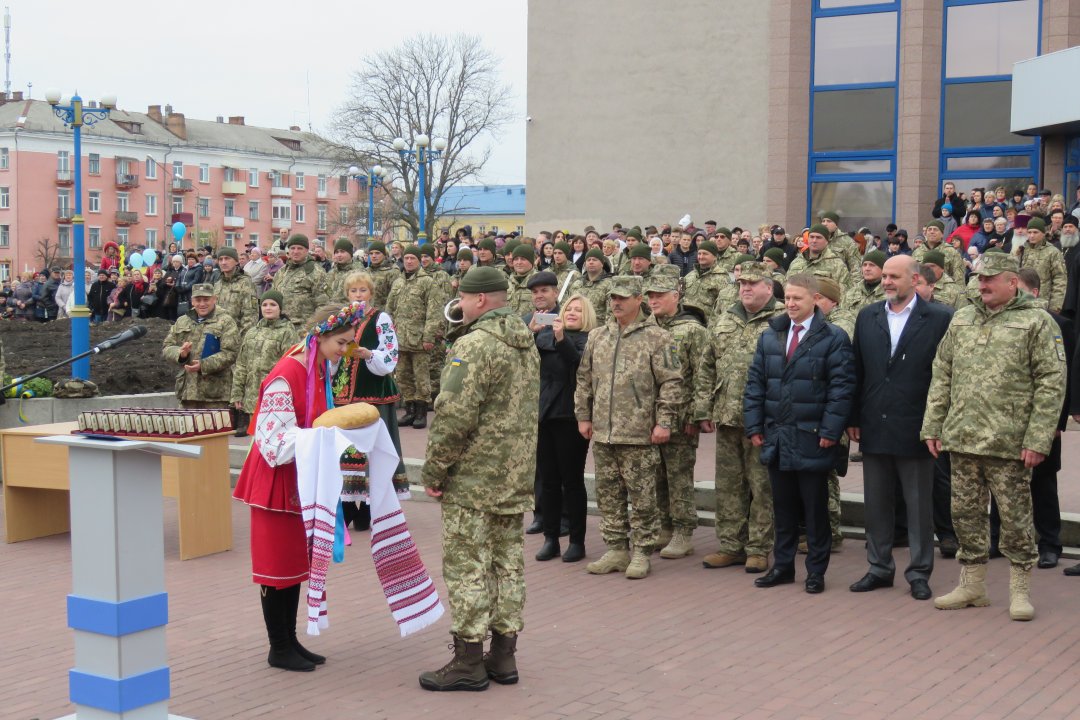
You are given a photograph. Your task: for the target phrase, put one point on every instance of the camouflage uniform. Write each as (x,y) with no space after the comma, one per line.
(444,290)
(727,297)
(1048,261)
(726,259)
(597,292)
(620,263)
(519,297)
(627,383)
(383,276)
(236,297)
(481,453)
(844,246)
(415,309)
(261,348)
(986,418)
(211,386)
(828,264)
(954,264)
(335,280)
(704,286)
(561,272)
(949,292)
(859,296)
(844,319)
(304,289)
(744,510)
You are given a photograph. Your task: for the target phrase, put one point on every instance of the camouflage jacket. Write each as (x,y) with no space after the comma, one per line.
(998,381)
(443,292)
(726,298)
(481,449)
(519,297)
(335,280)
(262,346)
(561,272)
(859,296)
(949,292)
(828,264)
(236,296)
(704,286)
(719,389)
(304,289)
(844,319)
(1048,261)
(954,264)
(597,292)
(691,341)
(619,261)
(726,260)
(383,276)
(416,311)
(628,381)
(843,245)
(213,381)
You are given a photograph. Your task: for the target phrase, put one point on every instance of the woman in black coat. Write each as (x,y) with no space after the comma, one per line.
(560,449)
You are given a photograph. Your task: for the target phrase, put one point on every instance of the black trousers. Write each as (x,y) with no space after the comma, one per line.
(805,494)
(942,495)
(560,466)
(1045,509)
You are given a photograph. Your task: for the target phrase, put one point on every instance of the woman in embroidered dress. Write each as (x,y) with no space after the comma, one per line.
(367,376)
(291,397)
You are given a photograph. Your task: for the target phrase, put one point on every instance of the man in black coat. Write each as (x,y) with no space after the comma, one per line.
(97,297)
(894,346)
(799,392)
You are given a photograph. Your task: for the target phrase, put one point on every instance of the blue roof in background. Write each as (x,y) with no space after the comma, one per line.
(463,200)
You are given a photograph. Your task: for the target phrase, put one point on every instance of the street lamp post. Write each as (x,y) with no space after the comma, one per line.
(376,174)
(76,116)
(422,158)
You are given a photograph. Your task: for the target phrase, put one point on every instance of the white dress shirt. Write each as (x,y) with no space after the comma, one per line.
(898,320)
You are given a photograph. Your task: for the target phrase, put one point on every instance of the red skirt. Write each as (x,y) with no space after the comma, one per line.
(279,554)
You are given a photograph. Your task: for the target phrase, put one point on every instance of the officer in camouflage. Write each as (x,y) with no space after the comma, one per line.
(627,401)
(441,279)
(934,234)
(260,349)
(820,259)
(343,265)
(490,389)
(946,290)
(523,268)
(565,270)
(675,482)
(235,293)
(708,278)
(640,262)
(869,291)
(997,425)
(417,313)
(729,295)
(842,244)
(204,344)
(726,252)
(595,283)
(744,510)
(302,282)
(1037,253)
(384,272)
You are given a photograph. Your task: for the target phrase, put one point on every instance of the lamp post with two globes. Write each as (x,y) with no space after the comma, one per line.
(422,157)
(376,174)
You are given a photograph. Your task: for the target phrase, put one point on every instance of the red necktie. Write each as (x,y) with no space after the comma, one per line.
(795,330)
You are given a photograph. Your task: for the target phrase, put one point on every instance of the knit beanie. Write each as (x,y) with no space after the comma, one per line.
(937,224)
(228,252)
(510,246)
(298,239)
(875,256)
(743,257)
(275,296)
(1036,223)
(526,251)
(830,215)
(427,249)
(487,244)
(376,246)
(595,253)
(411,250)
(820,230)
(776,255)
(464,254)
(710,247)
(934,257)
(829,288)
(634,233)
(641,251)
(565,247)
(344,244)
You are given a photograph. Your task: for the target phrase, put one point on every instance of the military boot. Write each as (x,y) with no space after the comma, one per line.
(465,671)
(679,546)
(241,421)
(666,534)
(614,560)
(500,663)
(971,592)
(639,566)
(1020,607)
(410,414)
(420,420)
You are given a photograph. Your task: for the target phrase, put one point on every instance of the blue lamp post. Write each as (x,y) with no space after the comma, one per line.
(76,116)
(422,157)
(376,174)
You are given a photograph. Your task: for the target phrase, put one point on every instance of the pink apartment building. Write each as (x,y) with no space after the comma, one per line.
(230,183)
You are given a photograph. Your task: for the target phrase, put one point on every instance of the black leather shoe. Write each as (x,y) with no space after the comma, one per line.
(1048,559)
(536,527)
(775,576)
(949,547)
(574,553)
(549,550)
(815,583)
(920,590)
(1072,570)
(870,582)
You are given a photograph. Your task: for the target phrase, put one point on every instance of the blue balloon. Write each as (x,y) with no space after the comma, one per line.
(135,260)
(149,256)
(179,230)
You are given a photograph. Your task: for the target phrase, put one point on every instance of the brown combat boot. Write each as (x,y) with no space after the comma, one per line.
(757,563)
(639,566)
(1020,607)
(723,559)
(971,592)
(666,533)
(464,672)
(614,560)
(499,662)
(678,546)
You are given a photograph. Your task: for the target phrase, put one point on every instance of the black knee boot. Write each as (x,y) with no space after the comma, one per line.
(289,618)
(410,414)
(282,655)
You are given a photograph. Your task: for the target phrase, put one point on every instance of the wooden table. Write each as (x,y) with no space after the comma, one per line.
(36,485)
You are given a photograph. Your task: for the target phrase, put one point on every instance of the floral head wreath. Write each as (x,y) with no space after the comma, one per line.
(345,317)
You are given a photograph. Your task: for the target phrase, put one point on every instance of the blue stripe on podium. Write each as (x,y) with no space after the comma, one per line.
(117,619)
(121,695)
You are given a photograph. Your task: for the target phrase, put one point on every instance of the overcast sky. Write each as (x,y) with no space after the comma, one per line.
(250,57)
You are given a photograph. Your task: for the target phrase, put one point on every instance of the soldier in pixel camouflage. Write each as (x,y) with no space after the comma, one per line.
(204,344)
(302,282)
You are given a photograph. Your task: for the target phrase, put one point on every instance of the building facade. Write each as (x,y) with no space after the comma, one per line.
(228,182)
(774,111)
(483,208)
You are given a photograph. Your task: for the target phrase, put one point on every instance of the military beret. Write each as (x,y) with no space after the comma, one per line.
(595,253)
(875,256)
(664,278)
(754,271)
(487,244)
(997,263)
(634,233)
(830,215)
(524,250)
(710,247)
(202,290)
(625,286)
(298,239)
(935,257)
(1036,223)
(641,251)
(726,232)
(542,279)
(743,257)
(275,296)
(937,224)
(829,288)
(344,244)
(483,280)
(820,230)
(1071,219)
(565,247)
(776,255)
(376,246)
(228,252)
(465,254)
(427,249)
(411,250)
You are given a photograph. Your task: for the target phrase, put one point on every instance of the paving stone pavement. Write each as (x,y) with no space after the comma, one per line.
(684,643)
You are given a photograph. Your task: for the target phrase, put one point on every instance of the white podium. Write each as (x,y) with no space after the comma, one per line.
(118,607)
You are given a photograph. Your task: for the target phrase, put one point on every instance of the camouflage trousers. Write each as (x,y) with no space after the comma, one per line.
(437,360)
(974,478)
(675,484)
(834,507)
(484,571)
(744,507)
(413,375)
(627,472)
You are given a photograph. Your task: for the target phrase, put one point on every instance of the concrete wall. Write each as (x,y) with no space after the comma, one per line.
(53,410)
(642,113)
(789,112)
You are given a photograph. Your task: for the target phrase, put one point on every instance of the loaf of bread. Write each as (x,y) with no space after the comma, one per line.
(347,417)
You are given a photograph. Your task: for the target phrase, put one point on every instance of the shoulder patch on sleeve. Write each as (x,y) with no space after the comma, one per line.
(457,370)
(1059,345)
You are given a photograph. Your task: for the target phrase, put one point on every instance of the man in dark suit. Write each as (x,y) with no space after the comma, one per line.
(894,346)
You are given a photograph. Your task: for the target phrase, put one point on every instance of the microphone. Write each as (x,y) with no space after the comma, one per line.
(130,334)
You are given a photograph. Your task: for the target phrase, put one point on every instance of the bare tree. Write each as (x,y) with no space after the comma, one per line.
(439,86)
(50,253)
